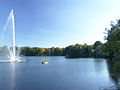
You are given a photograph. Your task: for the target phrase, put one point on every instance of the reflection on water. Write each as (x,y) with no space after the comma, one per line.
(114,71)
(12,76)
(59,74)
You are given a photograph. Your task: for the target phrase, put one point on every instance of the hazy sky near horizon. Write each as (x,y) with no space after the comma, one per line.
(47,23)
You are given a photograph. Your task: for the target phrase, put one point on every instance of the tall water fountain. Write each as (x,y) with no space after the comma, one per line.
(10,50)
(13,56)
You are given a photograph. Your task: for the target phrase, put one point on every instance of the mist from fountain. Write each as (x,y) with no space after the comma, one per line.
(10,51)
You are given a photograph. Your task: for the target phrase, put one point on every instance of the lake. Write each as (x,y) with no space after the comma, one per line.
(59,74)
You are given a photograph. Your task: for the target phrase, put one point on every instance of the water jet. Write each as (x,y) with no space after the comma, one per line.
(13,55)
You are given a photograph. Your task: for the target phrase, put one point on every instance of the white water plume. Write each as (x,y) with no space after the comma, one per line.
(10,51)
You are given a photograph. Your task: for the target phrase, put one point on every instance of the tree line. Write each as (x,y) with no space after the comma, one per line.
(110,49)
(72,51)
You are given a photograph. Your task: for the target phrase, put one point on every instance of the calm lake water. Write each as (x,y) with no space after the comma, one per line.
(59,74)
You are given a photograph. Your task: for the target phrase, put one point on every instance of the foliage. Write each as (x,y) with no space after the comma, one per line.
(112,46)
(72,51)
(37,51)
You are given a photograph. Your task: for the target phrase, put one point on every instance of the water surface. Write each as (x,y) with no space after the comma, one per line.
(59,74)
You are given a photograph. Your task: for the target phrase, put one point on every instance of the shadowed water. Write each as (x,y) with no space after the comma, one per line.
(59,74)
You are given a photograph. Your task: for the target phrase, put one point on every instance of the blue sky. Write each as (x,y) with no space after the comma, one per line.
(47,23)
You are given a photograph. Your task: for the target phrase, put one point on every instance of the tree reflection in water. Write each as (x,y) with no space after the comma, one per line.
(114,71)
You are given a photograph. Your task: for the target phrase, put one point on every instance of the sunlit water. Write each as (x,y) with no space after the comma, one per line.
(59,74)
